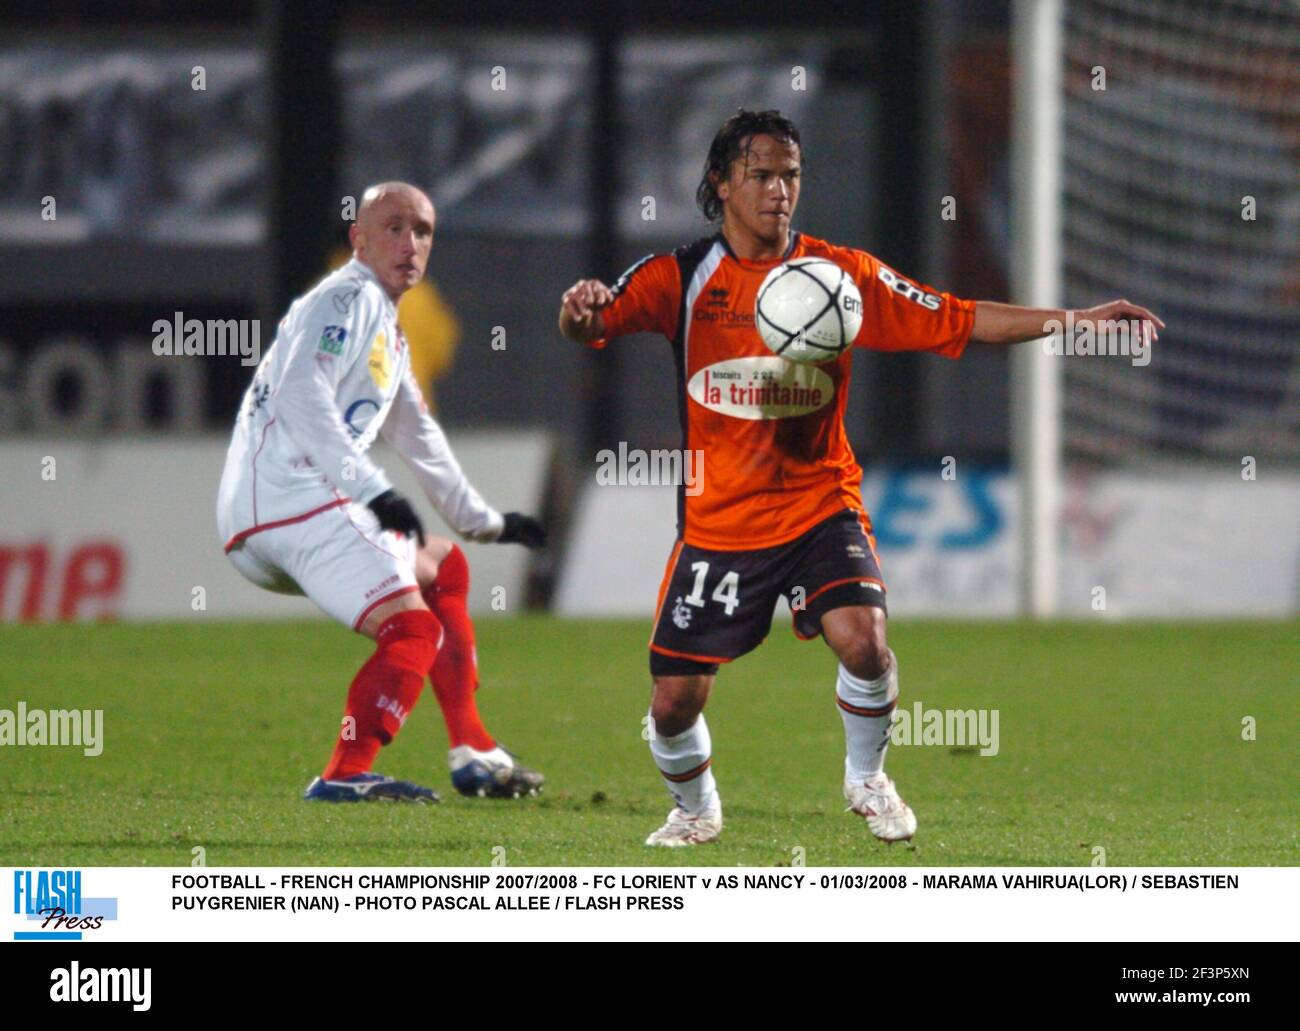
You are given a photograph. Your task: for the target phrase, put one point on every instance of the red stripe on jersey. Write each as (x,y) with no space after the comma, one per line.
(243,535)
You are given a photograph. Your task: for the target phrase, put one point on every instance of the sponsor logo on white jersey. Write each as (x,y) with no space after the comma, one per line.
(381,362)
(332,339)
(761,387)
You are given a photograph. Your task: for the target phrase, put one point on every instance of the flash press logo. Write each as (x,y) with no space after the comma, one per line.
(75,983)
(54,899)
(660,467)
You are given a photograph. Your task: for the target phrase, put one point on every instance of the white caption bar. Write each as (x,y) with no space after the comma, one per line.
(655,904)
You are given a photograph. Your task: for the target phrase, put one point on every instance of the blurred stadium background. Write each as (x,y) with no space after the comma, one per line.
(170,157)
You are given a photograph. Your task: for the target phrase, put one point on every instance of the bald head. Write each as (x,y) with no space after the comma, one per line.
(393,235)
(375,196)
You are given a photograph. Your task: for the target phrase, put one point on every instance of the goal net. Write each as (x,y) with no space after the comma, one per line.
(1181,183)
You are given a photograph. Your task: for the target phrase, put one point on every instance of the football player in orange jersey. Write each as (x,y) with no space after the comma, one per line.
(779,479)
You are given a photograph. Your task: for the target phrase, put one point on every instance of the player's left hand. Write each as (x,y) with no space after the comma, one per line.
(395,513)
(523,529)
(1123,311)
(584,298)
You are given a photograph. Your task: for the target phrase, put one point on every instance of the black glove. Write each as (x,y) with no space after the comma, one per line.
(522,529)
(395,513)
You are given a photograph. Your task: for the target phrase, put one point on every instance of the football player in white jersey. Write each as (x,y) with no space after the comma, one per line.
(302,509)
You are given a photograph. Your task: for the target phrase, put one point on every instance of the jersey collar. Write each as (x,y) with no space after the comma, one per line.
(790,249)
(358,266)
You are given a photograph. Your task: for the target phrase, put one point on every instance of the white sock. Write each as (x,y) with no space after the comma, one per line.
(867,708)
(687,756)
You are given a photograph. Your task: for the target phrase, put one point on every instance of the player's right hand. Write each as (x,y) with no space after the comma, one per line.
(582,300)
(395,513)
(522,529)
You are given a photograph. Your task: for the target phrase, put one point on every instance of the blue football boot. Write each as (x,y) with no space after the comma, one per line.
(368,787)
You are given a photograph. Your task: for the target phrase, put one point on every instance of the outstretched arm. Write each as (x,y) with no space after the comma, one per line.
(1011,324)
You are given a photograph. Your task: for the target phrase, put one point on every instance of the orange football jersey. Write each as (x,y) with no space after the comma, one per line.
(776,459)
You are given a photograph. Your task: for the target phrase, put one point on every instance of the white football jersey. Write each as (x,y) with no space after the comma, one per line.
(337,374)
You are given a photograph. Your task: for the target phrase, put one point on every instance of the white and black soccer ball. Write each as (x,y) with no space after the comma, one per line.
(808,310)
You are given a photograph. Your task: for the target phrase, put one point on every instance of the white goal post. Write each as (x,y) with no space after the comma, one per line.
(1036,413)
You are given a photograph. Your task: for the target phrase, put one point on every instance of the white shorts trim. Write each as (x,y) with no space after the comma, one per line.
(340,558)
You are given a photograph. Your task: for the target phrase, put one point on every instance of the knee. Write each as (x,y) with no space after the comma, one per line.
(452,577)
(409,640)
(675,707)
(865,654)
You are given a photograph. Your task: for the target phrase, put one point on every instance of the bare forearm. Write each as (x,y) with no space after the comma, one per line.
(997,323)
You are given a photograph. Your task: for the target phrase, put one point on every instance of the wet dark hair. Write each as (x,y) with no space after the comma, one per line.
(730,143)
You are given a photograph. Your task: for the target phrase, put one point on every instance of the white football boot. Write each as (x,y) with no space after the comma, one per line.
(685,828)
(876,799)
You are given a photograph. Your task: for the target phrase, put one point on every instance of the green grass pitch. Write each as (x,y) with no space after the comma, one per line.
(1124,736)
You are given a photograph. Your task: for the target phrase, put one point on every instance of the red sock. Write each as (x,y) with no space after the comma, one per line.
(385,689)
(455,672)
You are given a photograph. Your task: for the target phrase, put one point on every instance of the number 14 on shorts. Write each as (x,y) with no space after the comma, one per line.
(727,591)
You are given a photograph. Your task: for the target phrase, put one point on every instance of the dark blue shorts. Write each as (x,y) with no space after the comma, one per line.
(716,606)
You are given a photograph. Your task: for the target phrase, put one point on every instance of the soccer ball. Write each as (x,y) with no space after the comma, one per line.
(808,310)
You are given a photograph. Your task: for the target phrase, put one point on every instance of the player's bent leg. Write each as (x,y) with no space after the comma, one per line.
(480,767)
(866,692)
(429,558)
(676,702)
(363,577)
(379,699)
(690,640)
(377,617)
(388,685)
(683,753)
(856,634)
(443,574)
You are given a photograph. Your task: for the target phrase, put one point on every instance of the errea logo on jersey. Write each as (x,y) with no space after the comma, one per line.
(766,387)
(908,289)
